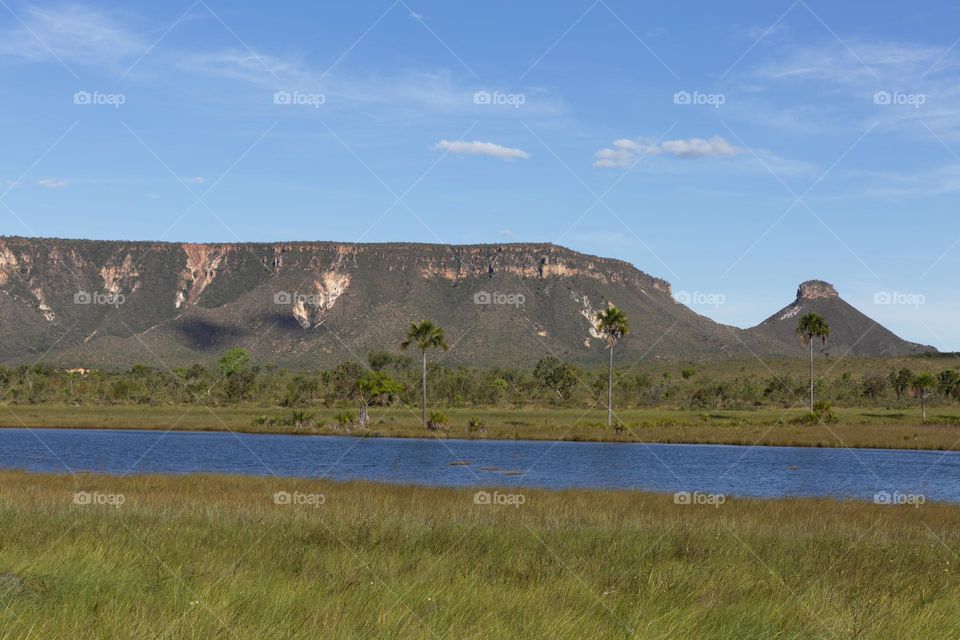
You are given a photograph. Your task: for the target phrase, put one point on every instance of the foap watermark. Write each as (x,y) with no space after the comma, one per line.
(97,98)
(297,499)
(288,298)
(499,99)
(700,298)
(899,298)
(915,500)
(486,498)
(898,98)
(96,498)
(715,100)
(99,298)
(698,498)
(515,300)
(299,99)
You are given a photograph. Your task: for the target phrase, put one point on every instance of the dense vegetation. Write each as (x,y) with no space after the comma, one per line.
(235,379)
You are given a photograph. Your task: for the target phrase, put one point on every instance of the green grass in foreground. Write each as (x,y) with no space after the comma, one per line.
(857,427)
(216,557)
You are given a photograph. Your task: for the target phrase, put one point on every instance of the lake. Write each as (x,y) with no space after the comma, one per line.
(765,472)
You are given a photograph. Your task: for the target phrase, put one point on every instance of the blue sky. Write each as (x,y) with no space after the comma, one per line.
(734,150)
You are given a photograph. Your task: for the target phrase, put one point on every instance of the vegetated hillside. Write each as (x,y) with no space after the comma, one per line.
(308,304)
(851,332)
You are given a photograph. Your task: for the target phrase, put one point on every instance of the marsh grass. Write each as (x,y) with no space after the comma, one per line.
(870,428)
(217,557)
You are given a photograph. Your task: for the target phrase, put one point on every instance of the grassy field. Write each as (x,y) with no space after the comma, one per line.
(871,428)
(217,557)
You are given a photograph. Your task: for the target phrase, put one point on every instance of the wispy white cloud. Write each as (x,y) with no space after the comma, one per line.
(846,87)
(73,33)
(195,180)
(625,151)
(481,149)
(893,185)
(76,34)
(52,183)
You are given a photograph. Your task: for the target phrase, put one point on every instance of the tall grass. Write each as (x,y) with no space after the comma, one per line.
(218,557)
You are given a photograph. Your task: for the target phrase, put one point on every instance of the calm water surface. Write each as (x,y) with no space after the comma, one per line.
(730,470)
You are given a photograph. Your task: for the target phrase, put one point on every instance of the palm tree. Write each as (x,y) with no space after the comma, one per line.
(425,336)
(922,385)
(612,323)
(812,326)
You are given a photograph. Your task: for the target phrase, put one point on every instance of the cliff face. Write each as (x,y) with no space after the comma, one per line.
(308,304)
(96,303)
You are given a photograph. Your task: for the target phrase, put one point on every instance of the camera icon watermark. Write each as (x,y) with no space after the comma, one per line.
(715,100)
(95,498)
(289,298)
(515,300)
(897,98)
(486,498)
(299,98)
(115,100)
(297,499)
(915,500)
(715,300)
(99,298)
(496,98)
(899,298)
(698,498)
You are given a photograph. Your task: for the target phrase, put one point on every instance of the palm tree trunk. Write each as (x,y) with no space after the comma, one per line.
(811,374)
(423,381)
(923,408)
(610,390)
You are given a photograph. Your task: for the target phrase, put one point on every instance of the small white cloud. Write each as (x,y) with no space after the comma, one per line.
(715,147)
(195,180)
(624,152)
(52,183)
(506,233)
(481,149)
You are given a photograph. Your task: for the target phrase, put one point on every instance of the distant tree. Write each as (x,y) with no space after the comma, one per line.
(901,381)
(140,371)
(233,362)
(424,335)
(612,324)
(873,387)
(811,327)
(556,375)
(379,360)
(923,384)
(342,379)
(949,383)
(371,385)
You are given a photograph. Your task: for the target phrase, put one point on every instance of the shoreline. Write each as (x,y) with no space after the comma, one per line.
(373,435)
(857,429)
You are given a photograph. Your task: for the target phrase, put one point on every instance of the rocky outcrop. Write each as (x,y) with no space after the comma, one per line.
(816,289)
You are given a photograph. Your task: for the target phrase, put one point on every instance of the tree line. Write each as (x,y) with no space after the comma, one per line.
(397,377)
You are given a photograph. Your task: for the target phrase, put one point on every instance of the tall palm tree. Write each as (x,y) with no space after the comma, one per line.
(811,327)
(612,323)
(923,384)
(425,336)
